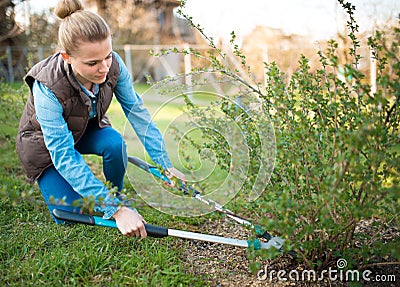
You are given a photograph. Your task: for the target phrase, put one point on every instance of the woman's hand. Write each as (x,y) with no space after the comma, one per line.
(130,222)
(173,172)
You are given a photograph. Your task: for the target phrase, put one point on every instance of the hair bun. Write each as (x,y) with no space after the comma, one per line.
(66,8)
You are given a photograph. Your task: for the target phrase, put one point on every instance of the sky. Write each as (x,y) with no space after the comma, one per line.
(319,19)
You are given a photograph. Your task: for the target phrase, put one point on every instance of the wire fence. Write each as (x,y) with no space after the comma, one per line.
(15,61)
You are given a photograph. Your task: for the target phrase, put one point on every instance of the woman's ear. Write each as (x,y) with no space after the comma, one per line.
(66,57)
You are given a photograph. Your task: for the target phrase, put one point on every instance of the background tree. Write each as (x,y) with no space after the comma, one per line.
(9,28)
(43,30)
(11,34)
(138,21)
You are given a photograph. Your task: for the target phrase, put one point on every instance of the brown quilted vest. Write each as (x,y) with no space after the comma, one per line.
(57,75)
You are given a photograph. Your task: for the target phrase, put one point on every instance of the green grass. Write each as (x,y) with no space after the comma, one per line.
(34,251)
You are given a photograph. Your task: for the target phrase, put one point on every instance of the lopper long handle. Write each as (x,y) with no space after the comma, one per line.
(152,230)
(73,217)
(148,167)
(139,162)
(159,231)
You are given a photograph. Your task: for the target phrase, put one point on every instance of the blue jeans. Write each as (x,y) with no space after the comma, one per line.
(105,142)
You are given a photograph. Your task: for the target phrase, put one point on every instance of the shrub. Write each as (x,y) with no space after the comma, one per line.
(337,145)
(12,184)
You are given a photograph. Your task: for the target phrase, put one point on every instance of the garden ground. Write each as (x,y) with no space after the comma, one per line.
(35,251)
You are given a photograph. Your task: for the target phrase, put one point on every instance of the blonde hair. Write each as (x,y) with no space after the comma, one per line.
(78,25)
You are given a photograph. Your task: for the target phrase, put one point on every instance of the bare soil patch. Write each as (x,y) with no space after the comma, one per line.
(224,265)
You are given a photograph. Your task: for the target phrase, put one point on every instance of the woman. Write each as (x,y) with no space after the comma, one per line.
(65,117)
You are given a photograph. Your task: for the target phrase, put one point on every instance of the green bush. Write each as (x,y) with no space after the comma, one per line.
(337,146)
(12,101)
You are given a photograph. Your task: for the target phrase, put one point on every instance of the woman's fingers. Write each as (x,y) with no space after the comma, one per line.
(130,222)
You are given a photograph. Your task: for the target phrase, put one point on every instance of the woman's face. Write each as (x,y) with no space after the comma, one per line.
(91,62)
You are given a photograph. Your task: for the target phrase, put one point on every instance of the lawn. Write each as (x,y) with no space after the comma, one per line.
(36,252)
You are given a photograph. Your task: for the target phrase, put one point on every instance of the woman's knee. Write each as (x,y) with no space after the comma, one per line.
(115,146)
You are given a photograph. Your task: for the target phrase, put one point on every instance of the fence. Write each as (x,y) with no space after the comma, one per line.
(15,61)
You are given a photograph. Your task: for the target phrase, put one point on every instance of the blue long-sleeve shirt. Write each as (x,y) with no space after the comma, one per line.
(60,142)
